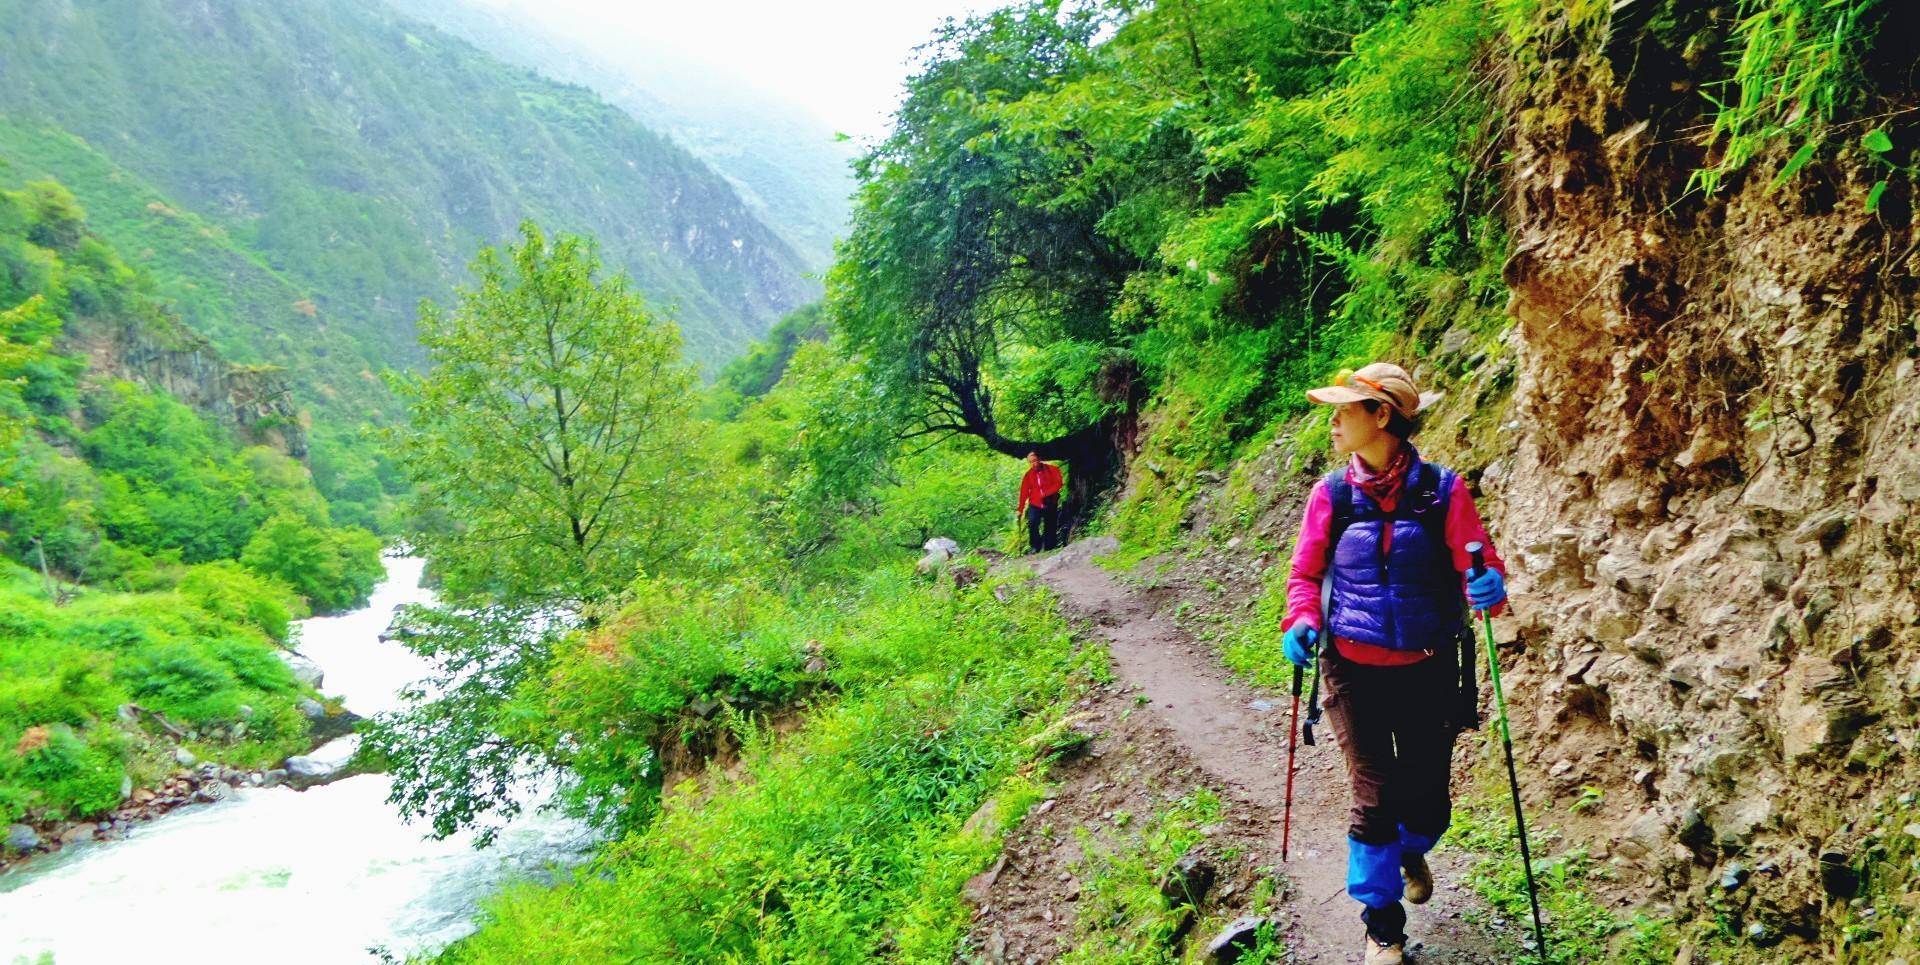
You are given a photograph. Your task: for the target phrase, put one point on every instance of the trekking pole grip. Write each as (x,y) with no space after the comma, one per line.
(1479,554)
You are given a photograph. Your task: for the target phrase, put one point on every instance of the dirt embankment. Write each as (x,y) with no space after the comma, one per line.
(1710,496)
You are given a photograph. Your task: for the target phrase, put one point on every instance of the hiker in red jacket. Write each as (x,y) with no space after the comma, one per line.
(1040,503)
(1381,582)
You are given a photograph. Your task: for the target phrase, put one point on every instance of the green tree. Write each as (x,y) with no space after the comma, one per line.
(551,429)
(335,569)
(552,436)
(955,267)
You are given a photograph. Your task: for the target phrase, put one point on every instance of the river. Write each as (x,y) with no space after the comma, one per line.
(323,875)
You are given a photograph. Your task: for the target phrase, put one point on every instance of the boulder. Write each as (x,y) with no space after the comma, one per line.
(184,757)
(1235,940)
(1189,880)
(1820,709)
(331,725)
(21,838)
(306,671)
(325,765)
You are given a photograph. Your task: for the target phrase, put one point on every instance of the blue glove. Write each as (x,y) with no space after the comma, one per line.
(1487,590)
(1297,644)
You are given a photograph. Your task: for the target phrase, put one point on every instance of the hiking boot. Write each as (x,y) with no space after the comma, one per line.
(1419,878)
(1378,954)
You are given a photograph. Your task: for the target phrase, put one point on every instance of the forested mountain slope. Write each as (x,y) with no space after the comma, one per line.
(363,157)
(787,165)
(157,535)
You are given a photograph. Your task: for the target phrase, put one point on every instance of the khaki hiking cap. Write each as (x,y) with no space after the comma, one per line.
(1381,382)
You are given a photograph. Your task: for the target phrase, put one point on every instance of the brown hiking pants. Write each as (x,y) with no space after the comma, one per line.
(1392,724)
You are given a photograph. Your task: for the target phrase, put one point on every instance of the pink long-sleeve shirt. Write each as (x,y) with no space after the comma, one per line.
(1310,567)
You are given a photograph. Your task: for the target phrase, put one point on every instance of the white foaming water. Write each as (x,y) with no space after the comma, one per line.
(323,875)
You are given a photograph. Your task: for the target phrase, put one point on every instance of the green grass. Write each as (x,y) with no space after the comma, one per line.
(65,671)
(1121,917)
(1795,69)
(848,839)
(1579,930)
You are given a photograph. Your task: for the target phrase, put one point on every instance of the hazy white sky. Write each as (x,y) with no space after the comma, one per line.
(842,59)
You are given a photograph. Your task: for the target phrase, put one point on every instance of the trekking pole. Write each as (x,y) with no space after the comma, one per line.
(1293,741)
(1506,743)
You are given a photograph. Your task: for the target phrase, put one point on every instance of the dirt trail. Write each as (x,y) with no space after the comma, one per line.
(1237,738)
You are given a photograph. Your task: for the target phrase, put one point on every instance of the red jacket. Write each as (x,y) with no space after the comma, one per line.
(1039,483)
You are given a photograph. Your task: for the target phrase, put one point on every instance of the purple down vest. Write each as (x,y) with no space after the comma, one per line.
(1409,599)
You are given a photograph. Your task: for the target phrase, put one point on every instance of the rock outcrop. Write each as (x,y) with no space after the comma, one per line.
(1711,494)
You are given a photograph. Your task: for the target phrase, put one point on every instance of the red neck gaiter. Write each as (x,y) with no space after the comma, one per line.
(1385,485)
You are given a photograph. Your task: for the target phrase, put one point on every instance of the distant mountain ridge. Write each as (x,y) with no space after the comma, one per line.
(788,165)
(363,157)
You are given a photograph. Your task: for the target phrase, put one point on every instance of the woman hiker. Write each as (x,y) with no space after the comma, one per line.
(1380,569)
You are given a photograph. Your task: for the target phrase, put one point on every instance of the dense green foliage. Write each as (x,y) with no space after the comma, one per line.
(110,482)
(151,558)
(202,654)
(578,489)
(1218,203)
(295,179)
(221,289)
(1797,67)
(756,372)
(846,840)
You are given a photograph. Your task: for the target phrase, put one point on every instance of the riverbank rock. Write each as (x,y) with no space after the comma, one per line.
(329,763)
(305,771)
(22,838)
(306,671)
(330,724)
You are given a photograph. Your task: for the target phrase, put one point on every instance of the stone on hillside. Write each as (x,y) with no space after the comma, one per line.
(1820,709)
(306,671)
(1235,940)
(184,757)
(1189,880)
(1825,528)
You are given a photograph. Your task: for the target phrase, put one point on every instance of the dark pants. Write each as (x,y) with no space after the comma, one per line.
(1392,723)
(1043,522)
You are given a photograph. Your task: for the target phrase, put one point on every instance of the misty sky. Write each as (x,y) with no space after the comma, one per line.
(842,59)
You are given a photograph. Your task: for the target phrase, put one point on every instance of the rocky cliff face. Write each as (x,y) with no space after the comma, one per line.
(254,401)
(1710,494)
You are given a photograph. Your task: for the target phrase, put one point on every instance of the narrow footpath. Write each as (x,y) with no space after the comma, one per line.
(1235,738)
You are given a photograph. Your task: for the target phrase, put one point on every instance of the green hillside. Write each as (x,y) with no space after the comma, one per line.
(149,554)
(362,157)
(786,164)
